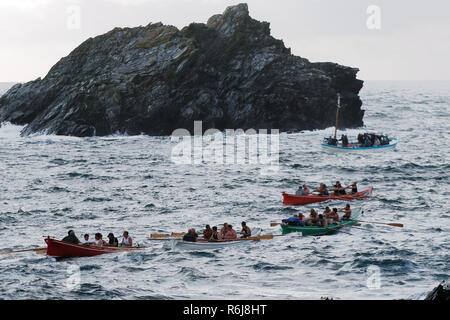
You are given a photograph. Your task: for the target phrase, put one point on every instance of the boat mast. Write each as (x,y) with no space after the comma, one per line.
(337,114)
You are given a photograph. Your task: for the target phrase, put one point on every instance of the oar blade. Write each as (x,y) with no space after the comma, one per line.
(274,224)
(265,236)
(23,250)
(177,234)
(396,225)
(158,235)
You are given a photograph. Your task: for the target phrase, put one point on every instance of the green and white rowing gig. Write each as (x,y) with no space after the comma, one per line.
(319,231)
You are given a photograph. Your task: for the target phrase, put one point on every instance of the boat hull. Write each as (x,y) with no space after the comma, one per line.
(298,200)
(62,249)
(354,148)
(319,231)
(211,245)
(200,245)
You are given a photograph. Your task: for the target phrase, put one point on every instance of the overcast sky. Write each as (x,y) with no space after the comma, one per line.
(395,40)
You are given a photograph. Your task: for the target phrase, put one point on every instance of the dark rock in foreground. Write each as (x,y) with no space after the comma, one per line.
(230,73)
(440,293)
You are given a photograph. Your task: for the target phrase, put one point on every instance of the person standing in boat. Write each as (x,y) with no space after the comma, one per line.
(347,212)
(71,237)
(344,140)
(190,236)
(245,232)
(127,241)
(113,242)
(231,233)
(327,214)
(360,138)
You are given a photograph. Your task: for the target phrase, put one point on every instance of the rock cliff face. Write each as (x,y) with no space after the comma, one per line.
(230,73)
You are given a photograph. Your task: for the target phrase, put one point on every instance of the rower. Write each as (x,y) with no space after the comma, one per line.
(344,140)
(354,187)
(295,220)
(312,219)
(322,190)
(321,221)
(190,236)
(224,230)
(333,216)
(71,237)
(86,240)
(338,189)
(231,233)
(127,241)
(215,235)
(300,191)
(113,242)
(306,189)
(99,240)
(347,214)
(207,232)
(246,232)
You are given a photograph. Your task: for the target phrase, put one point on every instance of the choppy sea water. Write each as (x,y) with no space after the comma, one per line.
(50,184)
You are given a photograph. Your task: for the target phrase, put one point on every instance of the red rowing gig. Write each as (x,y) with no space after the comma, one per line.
(57,248)
(293,199)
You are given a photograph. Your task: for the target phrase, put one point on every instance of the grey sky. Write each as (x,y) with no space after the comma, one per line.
(413,42)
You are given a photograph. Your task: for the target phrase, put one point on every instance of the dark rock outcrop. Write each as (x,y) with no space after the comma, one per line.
(229,72)
(440,293)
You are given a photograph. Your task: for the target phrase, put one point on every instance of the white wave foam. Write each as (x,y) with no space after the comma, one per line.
(9,130)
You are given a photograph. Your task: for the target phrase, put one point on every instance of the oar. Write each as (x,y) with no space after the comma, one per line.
(173,234)
(177,234)
(263,237)
(345,226)
(24,250)
(388,224)
(273,224)
(336,230)
(158,235)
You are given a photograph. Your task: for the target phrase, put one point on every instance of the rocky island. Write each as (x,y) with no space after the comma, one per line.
(229,73)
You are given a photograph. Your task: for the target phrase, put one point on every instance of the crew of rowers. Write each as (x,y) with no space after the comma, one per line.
(98,241)
(212,234)
(365,140)
(314,219)
(322,190)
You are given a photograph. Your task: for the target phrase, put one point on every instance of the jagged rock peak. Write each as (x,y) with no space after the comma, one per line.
(229,73)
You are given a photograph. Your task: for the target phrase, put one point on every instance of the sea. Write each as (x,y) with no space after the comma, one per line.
(51,184)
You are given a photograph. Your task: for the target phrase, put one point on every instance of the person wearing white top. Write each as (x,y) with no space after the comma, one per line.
(86,240)
(98,240)
(126,240)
